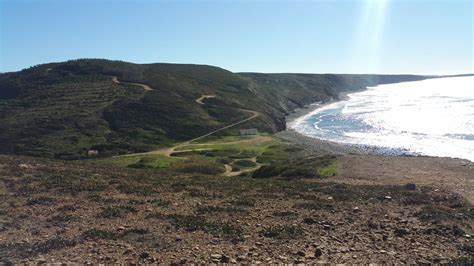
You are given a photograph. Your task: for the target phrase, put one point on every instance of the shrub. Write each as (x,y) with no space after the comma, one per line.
(40,201)
(215,209)
(284,213)
(244,163)
(283,232)
(198,166)
(94,234)
(267,171)
(224,161)
(243,202)
(329,170)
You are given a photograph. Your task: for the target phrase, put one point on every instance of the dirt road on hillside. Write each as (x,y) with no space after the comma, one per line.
(144,86)
(203,97)
(169,151)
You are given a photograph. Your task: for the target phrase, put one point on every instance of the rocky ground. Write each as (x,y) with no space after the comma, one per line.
(58,211)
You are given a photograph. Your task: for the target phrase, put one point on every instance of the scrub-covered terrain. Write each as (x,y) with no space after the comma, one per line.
(113,162)
(296,208)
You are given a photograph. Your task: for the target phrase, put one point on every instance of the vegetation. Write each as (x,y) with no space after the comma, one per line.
(194,223)
(330,170)
(62,110)
(283,232)
(196,165)
(161,210)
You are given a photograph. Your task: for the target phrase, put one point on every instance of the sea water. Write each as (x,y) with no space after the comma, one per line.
(432,117)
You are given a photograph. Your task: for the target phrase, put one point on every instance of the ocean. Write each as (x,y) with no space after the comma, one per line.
(433,117)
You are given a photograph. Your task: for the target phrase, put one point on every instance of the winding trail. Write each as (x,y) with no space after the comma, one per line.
(228,168)
(203,97)
(169,151)
(144,86)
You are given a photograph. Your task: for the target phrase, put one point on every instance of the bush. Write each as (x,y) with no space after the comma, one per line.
(195,223)
(94,234)
(267,171)
(244,163)
(198,166)
(224,160)
(40,201)
(301,171)
(283,232)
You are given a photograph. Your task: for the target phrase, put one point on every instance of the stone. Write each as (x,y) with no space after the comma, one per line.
(410,186)
(299,261)
(318,253)
(388,197)
(356,209)
(301,253)
(41,260)
(225,259)
(400,232)
(372,225)
(144,255)
(216,256)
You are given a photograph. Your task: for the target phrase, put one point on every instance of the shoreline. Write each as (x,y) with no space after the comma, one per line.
(335,148)
(316,144)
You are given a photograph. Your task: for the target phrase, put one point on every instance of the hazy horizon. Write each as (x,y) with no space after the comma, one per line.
(353,37)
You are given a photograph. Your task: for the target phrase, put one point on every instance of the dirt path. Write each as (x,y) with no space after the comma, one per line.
(144,86)
(254,115)
(255,140)
(169,151)
(228,168)
(200,99)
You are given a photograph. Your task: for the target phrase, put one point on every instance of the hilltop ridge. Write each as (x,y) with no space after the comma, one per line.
(63,109)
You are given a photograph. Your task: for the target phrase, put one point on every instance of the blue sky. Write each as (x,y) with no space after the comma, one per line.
(366,36)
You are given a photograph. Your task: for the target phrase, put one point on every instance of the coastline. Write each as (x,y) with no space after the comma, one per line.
(335,148)
(365,165)
(315,144)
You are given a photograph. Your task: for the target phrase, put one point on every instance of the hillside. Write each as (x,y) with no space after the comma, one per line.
(188,189)
(62,110)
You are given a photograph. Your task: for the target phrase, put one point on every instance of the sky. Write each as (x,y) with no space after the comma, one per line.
(333,36)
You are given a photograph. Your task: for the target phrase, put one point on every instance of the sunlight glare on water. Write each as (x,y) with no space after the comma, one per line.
(431,117)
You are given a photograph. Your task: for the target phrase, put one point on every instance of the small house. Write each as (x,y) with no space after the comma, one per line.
(248,132)
(92,152)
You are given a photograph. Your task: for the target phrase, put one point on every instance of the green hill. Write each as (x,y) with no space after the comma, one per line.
(64,109)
